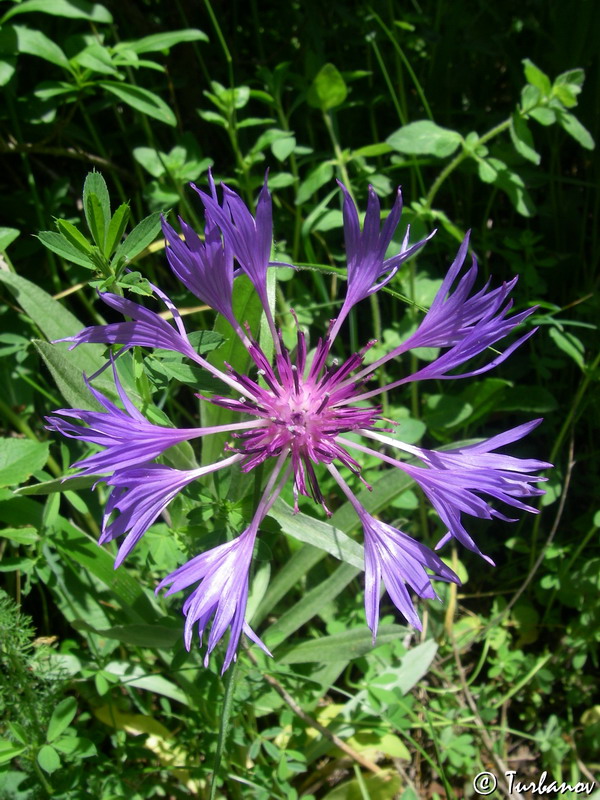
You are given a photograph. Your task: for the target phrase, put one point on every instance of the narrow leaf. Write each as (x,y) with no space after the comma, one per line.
(341,646)
(142,100)
(61,718)
(116,229)
(63,248)
(70,9)
(144,233)
(73,236)
(163,41)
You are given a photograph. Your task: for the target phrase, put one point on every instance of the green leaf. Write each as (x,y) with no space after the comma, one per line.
(382,786)
(71,9)
(63,248)
(24,536)
(96,58)
(574,128)
(373,150)
(425,138)
(96,220)
(536,77)
(247,307)
(522,138)
(67,375)
(144,233)
(543,115)
(20,458)
(514,186)
(138,634)
(35,43)
(311,603)
(284,147)
(151,159)
(61,718)
(80,550)
(7,237)
(316,178)
(163,41)
(8,751)
(413,666)
(95,184)
(58,485)
(569,344)
(341,646)
(74,236)
(48,759)
(328,88)
(319,534)
(8,67)
(116,229)
(142,100)
(76,745)
(134,675)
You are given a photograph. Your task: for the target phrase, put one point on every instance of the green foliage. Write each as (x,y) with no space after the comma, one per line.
(96,688)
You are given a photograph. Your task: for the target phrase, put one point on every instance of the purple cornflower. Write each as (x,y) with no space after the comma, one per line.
(296,410)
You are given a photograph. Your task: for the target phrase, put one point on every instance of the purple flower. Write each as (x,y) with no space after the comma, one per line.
(368,268)
(249,237)
(205,268)
(295,411)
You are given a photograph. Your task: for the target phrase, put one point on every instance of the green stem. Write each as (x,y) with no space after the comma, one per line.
(224,726)
(339,156)
(457,160)
(583,386)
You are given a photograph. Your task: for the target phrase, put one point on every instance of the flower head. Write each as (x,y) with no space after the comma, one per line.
(293,413)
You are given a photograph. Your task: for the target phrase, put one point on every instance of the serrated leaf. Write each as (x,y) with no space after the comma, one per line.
(61,718)
(70,9)
(96,220)
(163,41)
(144,233)
(74,236)
(116,229)
(536,77)
(57,243)
(328,88)
(142,100)
(95,184)
(20,458)
(522,138)
(425,138)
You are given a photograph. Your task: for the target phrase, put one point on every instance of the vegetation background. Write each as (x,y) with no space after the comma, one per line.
(98,697)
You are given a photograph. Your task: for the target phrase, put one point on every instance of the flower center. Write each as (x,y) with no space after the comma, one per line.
(304,408)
